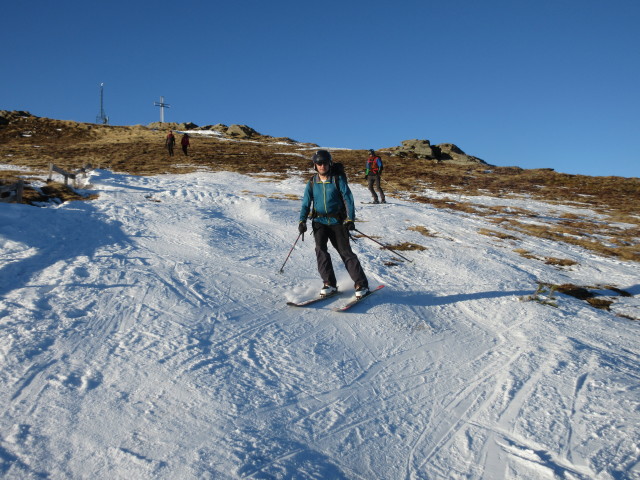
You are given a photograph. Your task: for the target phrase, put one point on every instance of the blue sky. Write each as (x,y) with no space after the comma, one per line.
(537,84)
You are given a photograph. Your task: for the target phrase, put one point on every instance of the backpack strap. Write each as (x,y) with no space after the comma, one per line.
(312,180)
(345,211)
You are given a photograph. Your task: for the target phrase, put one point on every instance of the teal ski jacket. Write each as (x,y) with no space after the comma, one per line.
(329,202)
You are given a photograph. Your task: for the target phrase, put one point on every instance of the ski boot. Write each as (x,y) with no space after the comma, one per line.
(361,292)
(327,290)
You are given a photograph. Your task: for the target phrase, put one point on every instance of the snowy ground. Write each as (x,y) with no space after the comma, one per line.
(145,335)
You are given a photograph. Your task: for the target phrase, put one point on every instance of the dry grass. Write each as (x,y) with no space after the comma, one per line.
(525,253)
(496,234)
(592,236)
(600,303)
(33,142)
(586,294)
(422,230)
(405,246)
(561,262)
(546,294)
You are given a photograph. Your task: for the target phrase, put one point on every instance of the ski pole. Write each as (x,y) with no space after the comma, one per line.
(294,246)
(382,245)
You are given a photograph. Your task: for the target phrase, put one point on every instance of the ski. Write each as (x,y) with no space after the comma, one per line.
(351,303)
(304,303)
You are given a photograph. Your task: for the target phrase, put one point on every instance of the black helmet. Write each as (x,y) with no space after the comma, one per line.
(322,156)
(372,151)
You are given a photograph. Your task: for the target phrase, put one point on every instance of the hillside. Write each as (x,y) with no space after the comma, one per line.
(27,141)
(145,334)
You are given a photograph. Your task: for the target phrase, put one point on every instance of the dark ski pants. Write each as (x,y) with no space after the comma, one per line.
(185,150)
(170,150)
(339,238)
(375,180)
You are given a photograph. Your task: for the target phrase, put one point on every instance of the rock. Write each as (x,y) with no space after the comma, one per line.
(7,117)
(443,152)
(451,153)
(419,147)
(415,148)
(220,127)
(241,131)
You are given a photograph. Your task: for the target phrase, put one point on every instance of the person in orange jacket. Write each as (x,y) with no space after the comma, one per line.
(373,173)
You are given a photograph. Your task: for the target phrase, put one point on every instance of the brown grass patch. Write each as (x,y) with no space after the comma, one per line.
(629,250)
(406,246)
(516,211)
(600,303)
(285,196)
(458,206)
(545,294)
(496,234)
(423,230)
(525,253)
(561,262)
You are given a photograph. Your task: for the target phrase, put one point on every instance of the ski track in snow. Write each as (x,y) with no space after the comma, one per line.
(150,339)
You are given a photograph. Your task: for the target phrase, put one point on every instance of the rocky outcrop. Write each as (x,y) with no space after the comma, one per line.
(220,127)
(241,131)
(420,148)
(236,131)
(6,116)
(172,126)
(443,152)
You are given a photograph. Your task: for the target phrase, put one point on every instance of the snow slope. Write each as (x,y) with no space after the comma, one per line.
(145,335)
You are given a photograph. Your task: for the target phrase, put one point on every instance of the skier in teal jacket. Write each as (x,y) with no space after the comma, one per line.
(329,202)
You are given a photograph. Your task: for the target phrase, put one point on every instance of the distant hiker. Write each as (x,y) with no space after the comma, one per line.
(170,142)
(329,202)
(185,143)
(373,173)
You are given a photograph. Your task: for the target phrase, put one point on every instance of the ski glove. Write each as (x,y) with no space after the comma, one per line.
(302,227)
(350,225)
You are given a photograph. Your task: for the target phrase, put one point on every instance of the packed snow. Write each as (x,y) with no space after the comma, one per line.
(146,335)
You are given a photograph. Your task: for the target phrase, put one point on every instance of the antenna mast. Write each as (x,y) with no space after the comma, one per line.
(102,118)
(162,106)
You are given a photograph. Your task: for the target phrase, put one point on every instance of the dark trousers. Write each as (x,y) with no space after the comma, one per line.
(170,149)
(375,180)
(339,238)
(184,149)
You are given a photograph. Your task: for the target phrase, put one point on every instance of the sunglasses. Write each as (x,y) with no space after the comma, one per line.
(322,162)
